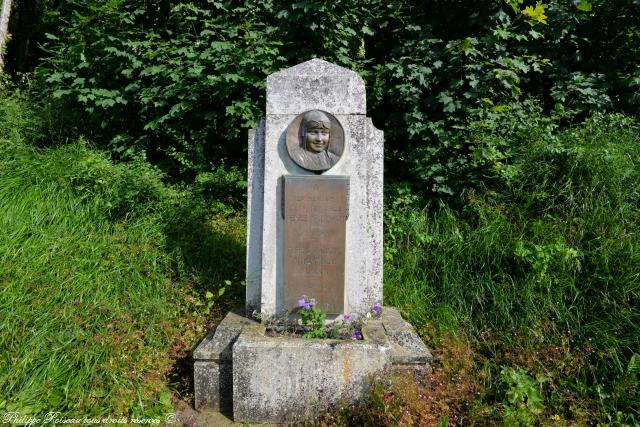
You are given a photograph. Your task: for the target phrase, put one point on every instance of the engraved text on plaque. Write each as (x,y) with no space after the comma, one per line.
(315,210)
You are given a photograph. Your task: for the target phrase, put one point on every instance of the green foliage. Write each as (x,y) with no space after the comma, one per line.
(183,81)
(524,397)
(83,300)
(180,82)
(94,312)
(544,249)
(18,122)
(314,319)
(530,245)
(124,190)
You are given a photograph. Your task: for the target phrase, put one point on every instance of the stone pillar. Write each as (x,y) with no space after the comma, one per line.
(315,85)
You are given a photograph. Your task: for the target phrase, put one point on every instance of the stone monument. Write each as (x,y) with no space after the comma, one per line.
(346,254)
(314,228)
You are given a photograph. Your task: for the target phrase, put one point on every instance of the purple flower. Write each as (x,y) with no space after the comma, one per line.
(356,335)
(306,306)
(302,301)
(376,309)
(312,302)
(346,317)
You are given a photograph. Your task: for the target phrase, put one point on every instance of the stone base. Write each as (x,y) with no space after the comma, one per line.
(255,378)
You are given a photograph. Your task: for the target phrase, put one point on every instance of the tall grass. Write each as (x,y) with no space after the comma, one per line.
(549,255)
(83,301)
(92,305)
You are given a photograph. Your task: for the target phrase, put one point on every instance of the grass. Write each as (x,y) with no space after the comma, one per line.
(78,311)
(542,270)
(94,310)
(528,293)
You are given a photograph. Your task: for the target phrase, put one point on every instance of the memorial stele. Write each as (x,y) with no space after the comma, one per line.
(314,229)
(315,195)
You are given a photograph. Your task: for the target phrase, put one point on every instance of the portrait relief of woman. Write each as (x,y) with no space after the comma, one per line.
(315,140)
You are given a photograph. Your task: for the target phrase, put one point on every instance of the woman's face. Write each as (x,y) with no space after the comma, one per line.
(316,139)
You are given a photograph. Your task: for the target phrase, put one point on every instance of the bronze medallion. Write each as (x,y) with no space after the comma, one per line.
(315,140)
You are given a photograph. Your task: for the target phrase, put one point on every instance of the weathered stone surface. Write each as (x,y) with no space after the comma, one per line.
(212,371)
(362,161)
(290,379)
(255,203)
(363,280)
(218,342)
(319,84)
(341,93)
(406,346)
(285,379)
(212,383)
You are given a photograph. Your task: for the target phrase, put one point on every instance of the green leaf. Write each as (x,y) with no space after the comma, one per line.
(153,70)
(634,364)
(535,15)
(59,93)
(447,101)
(165,398)
(232,77)
(219,46)
(584,6)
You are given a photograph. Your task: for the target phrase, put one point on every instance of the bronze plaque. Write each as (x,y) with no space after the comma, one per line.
(315,210)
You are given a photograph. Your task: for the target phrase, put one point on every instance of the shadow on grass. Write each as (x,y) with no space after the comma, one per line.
(208,254)
(208,251)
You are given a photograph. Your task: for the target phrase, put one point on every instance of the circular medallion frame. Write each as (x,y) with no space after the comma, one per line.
(308,160)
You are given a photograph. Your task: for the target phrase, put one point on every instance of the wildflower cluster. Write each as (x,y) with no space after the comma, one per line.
(349,326)
(312,318)
(375,312)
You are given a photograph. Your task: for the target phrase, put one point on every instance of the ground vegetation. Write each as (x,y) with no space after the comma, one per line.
(511,197)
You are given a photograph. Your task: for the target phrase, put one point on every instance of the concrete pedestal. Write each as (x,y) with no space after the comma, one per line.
(255,378)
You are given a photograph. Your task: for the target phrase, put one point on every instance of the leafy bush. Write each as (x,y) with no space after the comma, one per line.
(179,82)
(183,81)
(543,255)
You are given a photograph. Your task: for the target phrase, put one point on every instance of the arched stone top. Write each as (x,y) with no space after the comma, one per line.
(316,85)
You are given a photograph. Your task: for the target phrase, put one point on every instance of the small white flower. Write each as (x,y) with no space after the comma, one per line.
(369,315)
